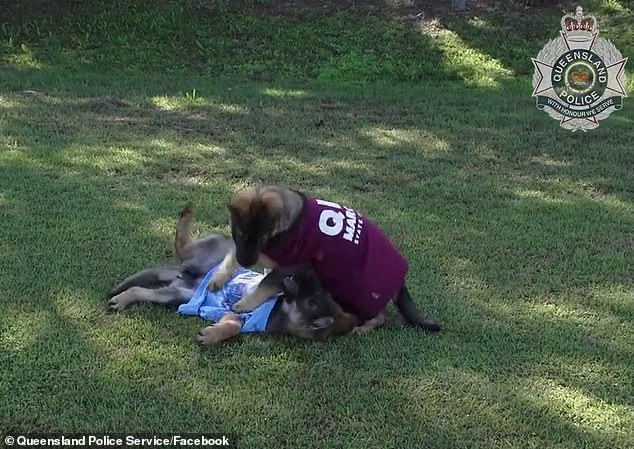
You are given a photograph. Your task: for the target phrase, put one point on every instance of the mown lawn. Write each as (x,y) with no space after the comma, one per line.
(520,235)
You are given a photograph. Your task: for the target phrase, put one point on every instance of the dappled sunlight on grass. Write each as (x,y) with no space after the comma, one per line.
(565,310)
(24,57)
(141,358)
(144,333)
(21,157)
(578,408)
(462,398)
(278,92)
(562,369)
(165,103)
(473,66)
(518,235)
(526,408)
(549,161)
(615,6)
(172,103)
(306,167)
(6,102)
(543,196)
(73,304)
(423,142)
(461,277)
(562,192)
(231,108)
(106,158)
(21,328)
(353,165)
(163,228)
(95,191)
(156,352)
(482,23)
(597,324)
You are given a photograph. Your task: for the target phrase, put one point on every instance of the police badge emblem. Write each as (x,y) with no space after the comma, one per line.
(579,77)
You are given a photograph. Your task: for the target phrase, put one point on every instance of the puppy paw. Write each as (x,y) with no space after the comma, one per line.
(210,335)
(241,306)
(118,303)
(359,330)
(217,281)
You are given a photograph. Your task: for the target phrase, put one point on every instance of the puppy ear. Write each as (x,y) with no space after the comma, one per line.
(272,202)
(322,323)
(241,202)
(291,286)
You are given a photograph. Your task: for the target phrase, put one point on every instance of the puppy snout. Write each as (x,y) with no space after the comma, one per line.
(247,259)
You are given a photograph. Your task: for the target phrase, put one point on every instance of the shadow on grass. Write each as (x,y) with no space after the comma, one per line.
(513,34)
(395,388)
(518,235)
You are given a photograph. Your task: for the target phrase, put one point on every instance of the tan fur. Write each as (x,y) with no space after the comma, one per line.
(123,300)
(254,299)
(241,202)
(265,262)
(272,201)
(183,234)
(228,266)
(344,324)
(131,296)
(291,309)
(165,286)
(371,324)
(228,327)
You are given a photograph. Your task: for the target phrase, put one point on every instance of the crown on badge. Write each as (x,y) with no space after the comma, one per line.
(579,27)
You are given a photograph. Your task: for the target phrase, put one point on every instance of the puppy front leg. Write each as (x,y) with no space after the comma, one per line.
(371,324)
(254,299)
(228,266)
(268,287)
(229,326)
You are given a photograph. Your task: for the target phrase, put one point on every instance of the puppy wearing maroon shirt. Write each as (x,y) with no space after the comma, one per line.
(355,261)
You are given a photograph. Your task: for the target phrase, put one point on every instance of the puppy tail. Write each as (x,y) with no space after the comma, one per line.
(408,309)
(183,233)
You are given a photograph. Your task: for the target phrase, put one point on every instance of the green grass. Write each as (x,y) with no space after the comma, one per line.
(520,235)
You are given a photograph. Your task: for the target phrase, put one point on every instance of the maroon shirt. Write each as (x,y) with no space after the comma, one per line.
(353,259)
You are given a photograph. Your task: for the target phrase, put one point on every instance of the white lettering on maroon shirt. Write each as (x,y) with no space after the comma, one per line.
(332,222)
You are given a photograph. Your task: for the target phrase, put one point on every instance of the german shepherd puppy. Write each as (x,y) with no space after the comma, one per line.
(276,227)
(303,310)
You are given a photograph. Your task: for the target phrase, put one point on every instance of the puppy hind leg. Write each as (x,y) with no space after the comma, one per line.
(228,327)
(167,296)
(151,277)
(183,236)
(370,324)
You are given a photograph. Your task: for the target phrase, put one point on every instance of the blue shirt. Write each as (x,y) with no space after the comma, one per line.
(213,305)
